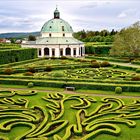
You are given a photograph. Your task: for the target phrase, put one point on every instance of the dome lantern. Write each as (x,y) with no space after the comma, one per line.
(56,13)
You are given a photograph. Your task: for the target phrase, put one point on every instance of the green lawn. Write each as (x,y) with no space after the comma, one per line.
(58,116)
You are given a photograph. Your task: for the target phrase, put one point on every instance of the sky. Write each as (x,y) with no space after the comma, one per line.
(30,15)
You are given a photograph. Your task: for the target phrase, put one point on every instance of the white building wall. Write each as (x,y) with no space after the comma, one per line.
(57,49)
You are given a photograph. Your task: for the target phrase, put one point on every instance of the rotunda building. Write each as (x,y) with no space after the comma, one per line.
(56,40)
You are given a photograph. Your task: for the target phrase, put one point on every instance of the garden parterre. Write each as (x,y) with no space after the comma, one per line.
(61,73)
(31,115)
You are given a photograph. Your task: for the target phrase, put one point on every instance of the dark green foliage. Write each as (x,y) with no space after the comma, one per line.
(8,71)
(136,78)
(30,85)
(64,57)
(31,69)
(105,64)
(15,55)
(95,36)
(102,50)
(118,90)
(48,68)
(28,73)
(94,60)
(31,38)
(137,70)
(95,65)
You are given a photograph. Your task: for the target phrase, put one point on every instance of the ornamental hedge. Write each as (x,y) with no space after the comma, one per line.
(15,55)
(59,116)
(103,50)
(77,85)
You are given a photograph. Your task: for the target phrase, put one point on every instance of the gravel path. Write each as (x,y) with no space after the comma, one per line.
(73,92)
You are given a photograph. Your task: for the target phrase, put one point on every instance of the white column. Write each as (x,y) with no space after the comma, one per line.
(50,52)
(77,51)
(83,48)
(57,52)
(42,52)
(64,51)
(71,52)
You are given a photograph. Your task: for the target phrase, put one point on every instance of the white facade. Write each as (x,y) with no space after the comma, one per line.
(58,50)
(56,40)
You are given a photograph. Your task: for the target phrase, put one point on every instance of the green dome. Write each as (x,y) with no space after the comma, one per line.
(57,25)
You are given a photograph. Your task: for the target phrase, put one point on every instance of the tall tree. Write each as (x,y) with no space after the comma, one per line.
(127,42)
(31,38)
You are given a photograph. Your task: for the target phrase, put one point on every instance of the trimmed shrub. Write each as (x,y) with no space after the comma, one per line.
(30,85)
(137,70)
(118,90)
(72,67)
(31,69)
(58,74)
(48,68)
(28,74)
(105,64)
(63,57)
(83,60)
(115,66)
(16,55)
(95,65)
(136,78)
(8,71)
(94,60)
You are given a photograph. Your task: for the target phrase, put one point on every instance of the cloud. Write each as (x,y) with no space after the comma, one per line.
(30,15)
(129,13)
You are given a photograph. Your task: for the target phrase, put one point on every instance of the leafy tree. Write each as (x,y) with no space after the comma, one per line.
(104,33)
(12,40)
(127,42)
(31,38)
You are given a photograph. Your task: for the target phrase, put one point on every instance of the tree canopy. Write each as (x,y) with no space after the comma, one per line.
(31,38)
(127,42)
(95,36)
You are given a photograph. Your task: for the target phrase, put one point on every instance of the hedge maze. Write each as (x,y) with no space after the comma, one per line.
(59,116)
(97,73)
(63,72)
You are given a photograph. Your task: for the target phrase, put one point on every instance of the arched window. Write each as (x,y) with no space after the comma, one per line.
(81,51)
(46,51)
(62,28)
(53,52)
(74,51)
(68,51)
(61,52)
(39,52)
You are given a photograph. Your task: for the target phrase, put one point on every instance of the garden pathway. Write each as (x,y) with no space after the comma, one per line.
(122,64)
(74,92)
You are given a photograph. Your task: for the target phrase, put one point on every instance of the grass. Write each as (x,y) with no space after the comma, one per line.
(82,91)
(99,92)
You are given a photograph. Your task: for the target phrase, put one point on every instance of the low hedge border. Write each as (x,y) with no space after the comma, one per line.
(108,59)
(20,63)
(70,80)
(77,85)
(53,67)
